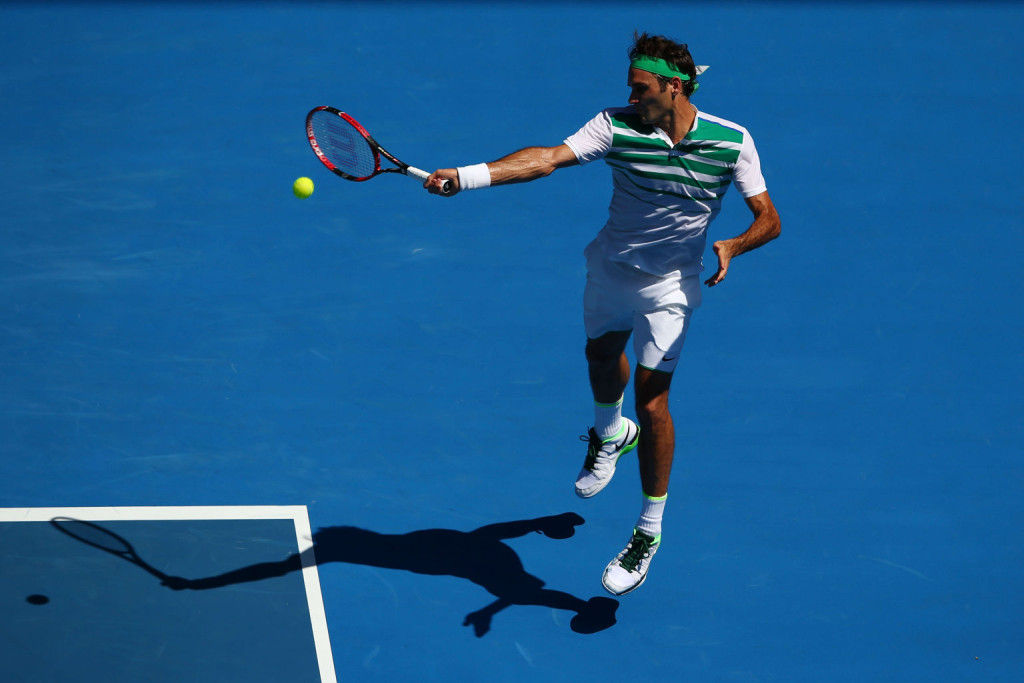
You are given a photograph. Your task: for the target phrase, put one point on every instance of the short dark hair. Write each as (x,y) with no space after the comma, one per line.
(677,54)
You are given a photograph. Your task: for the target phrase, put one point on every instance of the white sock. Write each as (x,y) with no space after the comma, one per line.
(607,419)
(651,514)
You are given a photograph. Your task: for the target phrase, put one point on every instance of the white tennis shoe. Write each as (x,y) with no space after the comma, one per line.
(629,568)
(602,456)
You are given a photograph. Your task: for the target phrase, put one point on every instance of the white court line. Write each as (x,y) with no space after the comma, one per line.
(314,598)
(297,513)
(161,513)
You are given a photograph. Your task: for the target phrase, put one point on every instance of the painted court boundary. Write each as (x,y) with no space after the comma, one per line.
(297,513)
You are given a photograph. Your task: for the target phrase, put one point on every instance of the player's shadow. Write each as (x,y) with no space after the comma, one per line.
(481,556)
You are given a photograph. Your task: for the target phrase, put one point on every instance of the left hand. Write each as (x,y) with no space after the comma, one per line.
(724,252)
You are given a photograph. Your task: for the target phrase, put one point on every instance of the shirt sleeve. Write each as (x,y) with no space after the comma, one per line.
(747,174)
(592,141)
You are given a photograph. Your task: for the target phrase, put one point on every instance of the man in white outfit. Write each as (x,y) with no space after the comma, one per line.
(671,165)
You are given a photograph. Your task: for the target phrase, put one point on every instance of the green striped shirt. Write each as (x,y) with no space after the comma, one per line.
(665,196)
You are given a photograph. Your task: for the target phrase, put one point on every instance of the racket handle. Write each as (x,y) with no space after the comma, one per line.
(446,187)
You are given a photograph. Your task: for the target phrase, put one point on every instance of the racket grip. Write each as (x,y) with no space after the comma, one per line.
(446,187)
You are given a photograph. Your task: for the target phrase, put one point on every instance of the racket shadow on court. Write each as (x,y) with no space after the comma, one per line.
(100,537)
(480,556)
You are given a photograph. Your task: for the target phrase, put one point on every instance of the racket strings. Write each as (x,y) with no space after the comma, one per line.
(343,145)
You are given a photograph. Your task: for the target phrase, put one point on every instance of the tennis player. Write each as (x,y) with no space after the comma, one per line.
(671,166)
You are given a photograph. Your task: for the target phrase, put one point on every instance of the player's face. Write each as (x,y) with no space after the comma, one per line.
(648,98)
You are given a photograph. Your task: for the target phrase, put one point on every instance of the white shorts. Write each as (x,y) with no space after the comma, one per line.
(620,298)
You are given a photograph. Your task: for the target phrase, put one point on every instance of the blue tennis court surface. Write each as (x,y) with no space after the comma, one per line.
(178,332)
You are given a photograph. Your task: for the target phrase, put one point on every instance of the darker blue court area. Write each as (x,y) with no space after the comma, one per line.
(85,612)
(177,329)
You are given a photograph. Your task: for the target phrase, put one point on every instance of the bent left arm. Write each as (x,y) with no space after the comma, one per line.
(764,229)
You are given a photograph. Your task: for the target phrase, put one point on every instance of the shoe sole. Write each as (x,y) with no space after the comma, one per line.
(628,448)
(629,590)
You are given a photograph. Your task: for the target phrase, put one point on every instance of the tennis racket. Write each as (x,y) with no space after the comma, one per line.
(104,539)
(347,149)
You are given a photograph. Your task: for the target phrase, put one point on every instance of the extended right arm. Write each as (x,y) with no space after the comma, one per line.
(519,167)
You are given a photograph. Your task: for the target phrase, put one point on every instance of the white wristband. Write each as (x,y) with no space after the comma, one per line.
(474,177)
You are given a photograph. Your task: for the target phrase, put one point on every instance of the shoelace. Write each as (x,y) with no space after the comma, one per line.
(593,448)
(638,549)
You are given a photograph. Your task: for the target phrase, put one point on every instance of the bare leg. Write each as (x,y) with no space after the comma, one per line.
(608,366)
(657,432)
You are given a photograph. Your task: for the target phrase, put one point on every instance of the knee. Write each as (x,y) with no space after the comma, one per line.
(599,354)
(651,409)
(652,396)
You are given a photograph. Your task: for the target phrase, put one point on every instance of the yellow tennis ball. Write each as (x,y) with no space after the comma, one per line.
(303,187)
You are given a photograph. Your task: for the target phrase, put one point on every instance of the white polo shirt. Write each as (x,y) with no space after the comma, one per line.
(665,196)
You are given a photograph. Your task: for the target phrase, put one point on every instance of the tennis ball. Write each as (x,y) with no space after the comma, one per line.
(303,187)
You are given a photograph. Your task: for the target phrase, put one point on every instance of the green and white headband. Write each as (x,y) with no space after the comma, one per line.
(661,67)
